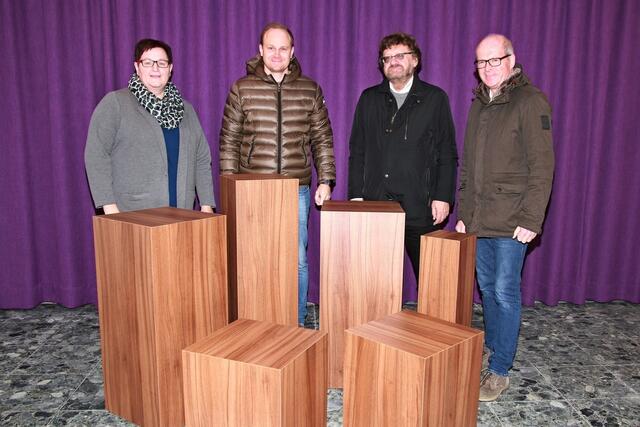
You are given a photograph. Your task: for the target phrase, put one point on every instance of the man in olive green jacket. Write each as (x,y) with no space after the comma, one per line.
(505,183)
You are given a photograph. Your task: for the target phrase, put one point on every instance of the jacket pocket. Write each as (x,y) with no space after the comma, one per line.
(510,188)
(503,205)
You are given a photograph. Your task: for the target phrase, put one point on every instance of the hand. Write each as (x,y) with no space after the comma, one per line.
(110,209)
(323,193)
(439,211)
(460,227)
(206,209)
(523,235)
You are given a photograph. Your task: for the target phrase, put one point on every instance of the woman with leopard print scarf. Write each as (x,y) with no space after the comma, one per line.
(145,147)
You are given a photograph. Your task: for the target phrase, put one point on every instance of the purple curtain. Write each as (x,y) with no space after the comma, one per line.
(61,57)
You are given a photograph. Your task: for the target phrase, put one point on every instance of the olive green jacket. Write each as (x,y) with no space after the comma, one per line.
(507,168)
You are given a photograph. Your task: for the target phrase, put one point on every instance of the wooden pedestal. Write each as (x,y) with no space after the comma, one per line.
(161,286)
(361,256)
(409,369)
(447,266)
(253,373)
(262,215)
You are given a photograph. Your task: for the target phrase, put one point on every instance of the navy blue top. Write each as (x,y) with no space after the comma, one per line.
(172,142)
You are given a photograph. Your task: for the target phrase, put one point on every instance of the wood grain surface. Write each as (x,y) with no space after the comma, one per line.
(408,369)
(262,213)
(256,373)
(361,262)
(161,277)
(446,283)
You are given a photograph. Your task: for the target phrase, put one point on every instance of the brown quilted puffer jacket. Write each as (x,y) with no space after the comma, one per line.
(276,128)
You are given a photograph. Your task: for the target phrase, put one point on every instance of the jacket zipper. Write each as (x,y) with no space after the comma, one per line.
(253,138)
(279,128)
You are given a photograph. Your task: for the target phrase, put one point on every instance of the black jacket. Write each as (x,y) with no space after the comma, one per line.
(408,155)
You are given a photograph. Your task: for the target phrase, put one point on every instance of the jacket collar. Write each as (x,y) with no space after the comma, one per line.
(255,66)
(517,79)
(416,88)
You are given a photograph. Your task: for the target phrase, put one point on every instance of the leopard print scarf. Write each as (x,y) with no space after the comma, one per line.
(168,111)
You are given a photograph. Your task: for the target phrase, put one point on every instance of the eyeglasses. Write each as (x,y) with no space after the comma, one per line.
(398,56)
(148,63)
(494,62)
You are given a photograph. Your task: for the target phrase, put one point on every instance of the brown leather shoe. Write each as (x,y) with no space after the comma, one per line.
(491,386)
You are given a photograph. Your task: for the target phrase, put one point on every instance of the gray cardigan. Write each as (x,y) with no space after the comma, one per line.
(126,159)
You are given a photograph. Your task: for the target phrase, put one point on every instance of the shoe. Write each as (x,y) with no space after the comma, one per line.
(491,386)
(301,325)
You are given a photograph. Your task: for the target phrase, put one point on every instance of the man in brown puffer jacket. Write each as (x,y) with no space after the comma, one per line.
(275,120)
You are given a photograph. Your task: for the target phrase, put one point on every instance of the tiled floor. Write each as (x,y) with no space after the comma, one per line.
(576,365)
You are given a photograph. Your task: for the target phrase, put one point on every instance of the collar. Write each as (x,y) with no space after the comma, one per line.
(405,89)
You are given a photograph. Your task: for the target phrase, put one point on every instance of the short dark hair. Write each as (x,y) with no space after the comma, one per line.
(147,44)
(275,26)
(396,39)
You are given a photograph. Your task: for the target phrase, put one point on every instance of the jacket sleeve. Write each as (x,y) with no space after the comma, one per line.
(537,139)
(447,158)
(231,133)
(321,137)
(356,153)
(101,140)
(204,179)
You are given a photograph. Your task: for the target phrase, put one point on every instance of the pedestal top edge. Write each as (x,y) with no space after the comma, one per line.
(415,333)
(361,206)
(260,343)
(255,177)
(449,235)
(158,216)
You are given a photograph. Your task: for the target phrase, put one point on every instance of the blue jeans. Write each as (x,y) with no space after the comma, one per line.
(499,263)
(304,201)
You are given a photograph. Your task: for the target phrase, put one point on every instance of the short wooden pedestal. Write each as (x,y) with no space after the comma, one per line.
(447,266)
(162,285)
(262,214)
(253,373)
(361,256)
(409,369)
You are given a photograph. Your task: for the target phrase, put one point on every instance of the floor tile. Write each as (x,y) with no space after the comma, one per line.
(12,355)
(555,351)
(549,414)
(610,350)
(47,359)
(88,418)
(89,395)
(628,374)
(21,419)
(36,393)
(610,412)
(577,382)
(486,417)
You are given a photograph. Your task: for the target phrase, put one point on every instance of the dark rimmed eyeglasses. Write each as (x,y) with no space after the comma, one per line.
(398,56)
(494,62)
(148,63)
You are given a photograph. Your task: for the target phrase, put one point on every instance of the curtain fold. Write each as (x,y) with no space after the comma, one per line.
(63,56)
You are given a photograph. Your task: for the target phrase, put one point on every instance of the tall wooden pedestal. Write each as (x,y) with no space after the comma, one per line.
(258,374)
(408,369)
(447,266)
(361,256)
(262,215)
(162,285)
